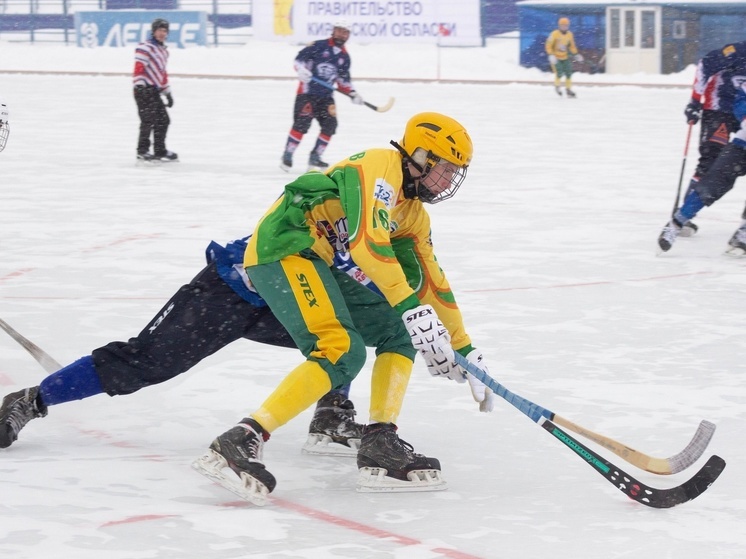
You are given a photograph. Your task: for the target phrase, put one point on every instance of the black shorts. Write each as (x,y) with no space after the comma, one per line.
(202,317)
(307,107)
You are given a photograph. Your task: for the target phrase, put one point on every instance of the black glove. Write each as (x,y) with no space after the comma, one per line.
(170,100)
(693,112)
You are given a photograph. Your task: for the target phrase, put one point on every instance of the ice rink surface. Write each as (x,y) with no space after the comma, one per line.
(549,246)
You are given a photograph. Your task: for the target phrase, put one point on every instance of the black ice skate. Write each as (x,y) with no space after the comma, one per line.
(571,94)
(17,410)
(668,236)
(737,243)
(390,464)
(286,163)
(558,89)
(315,163)
(333,431)
(145,157)
(239,449)
(165,157)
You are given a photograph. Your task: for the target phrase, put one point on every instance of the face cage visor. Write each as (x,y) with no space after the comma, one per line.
(439,180)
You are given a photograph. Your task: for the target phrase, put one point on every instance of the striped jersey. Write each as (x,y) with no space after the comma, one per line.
(358,207)
(151,58)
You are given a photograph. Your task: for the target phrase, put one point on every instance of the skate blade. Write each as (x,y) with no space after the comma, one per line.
(323,445)
(375,480)
(214,467)
(285,168)
(735,252)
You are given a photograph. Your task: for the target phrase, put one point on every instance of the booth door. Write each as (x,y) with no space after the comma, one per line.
(633,40)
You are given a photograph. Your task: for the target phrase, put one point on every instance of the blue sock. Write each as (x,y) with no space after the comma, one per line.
(343,390)
(76,381)
(691,206)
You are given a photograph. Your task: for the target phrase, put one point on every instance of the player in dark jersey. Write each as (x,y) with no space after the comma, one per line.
(716,85)
(321,66)
(723,161)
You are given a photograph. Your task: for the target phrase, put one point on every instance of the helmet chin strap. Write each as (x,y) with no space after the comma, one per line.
(409,188)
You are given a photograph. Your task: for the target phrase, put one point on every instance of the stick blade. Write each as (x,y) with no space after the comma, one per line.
(695,449)
(690,489)
(387,106)
(41,356)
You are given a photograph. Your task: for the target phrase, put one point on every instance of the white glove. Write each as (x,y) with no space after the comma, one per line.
(356,98)
(432,340)
(304,74)
(552,60)
(483,395)
(441,365)
(579,58)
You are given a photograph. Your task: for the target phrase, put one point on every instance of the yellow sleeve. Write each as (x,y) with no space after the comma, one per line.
(573,48)
(549,44)
(413,245)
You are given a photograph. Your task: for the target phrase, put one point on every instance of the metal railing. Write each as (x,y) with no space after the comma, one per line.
(52,21)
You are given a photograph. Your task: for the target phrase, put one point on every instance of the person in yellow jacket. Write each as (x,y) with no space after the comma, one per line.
(560,45)
(372,206)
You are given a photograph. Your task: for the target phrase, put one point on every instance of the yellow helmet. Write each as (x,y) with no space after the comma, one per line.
(563,21)
(440,135)
(431,140)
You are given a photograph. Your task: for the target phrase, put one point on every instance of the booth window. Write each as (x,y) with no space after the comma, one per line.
(629,28)
(648,29)
(614,29)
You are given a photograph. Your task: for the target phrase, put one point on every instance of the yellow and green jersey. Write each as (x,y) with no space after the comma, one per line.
(560,44)
(358,206)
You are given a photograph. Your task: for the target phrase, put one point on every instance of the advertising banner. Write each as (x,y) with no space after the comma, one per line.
(127,28)
(443,22)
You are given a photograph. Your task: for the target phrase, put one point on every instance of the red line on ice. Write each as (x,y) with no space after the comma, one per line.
(139,518)
(123,240)
(364,528)
(16,274)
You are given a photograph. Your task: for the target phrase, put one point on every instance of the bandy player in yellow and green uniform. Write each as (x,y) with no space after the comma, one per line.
(372,205)
(559,46)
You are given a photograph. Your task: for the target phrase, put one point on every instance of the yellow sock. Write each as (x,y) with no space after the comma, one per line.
(388,385)
(568,83)
(303,387)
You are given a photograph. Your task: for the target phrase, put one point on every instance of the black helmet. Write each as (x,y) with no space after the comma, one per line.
(159,23)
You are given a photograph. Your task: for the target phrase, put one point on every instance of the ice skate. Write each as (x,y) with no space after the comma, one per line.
(737,243)
(558,89)
(688,229)
(17,410)
(166,157)
(571,94)
(315,163)
(389,464)
(239,449)
(144,157)
(333,431)
(286,163)
(668,236)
